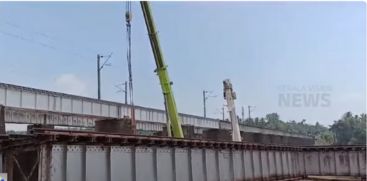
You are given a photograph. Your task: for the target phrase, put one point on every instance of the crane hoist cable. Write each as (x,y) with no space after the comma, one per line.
(128,18)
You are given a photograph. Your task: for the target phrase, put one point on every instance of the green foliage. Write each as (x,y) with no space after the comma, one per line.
(325,138)
(348,130)
(272,121)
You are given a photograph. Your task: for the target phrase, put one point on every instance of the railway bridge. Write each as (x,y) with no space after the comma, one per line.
(27,105)
(75,155)
(62,155)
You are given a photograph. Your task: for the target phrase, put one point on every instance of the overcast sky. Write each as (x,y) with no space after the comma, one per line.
(303,60)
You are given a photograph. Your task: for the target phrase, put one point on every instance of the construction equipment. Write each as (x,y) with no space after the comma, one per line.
(230,96)
(173,118)
(128,18)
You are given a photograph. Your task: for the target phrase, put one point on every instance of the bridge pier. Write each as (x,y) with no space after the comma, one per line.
(2,120)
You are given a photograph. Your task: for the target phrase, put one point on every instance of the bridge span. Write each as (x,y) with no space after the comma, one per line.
(35,106)
(62,155)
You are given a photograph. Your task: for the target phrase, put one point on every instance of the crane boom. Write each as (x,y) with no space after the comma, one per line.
(230,96)
(162,72)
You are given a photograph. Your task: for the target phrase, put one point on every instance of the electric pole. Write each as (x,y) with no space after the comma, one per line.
(99,68)
(242,113)
(124,90)
(204,102)
(98,76)
(205,97)
(223,112)
(249,111)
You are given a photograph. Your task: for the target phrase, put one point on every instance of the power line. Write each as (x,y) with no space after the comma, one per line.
(124,90)
(16,26)
(23,38)
(43,44)
(35,36)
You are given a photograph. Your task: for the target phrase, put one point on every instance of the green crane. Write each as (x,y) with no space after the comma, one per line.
(162,73)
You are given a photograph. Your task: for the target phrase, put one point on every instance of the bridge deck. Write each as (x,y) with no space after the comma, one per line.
(35,106)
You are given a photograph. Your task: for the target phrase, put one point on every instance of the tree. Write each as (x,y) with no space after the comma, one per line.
(350,129)
(272,117)
(260,122)
(325,138)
